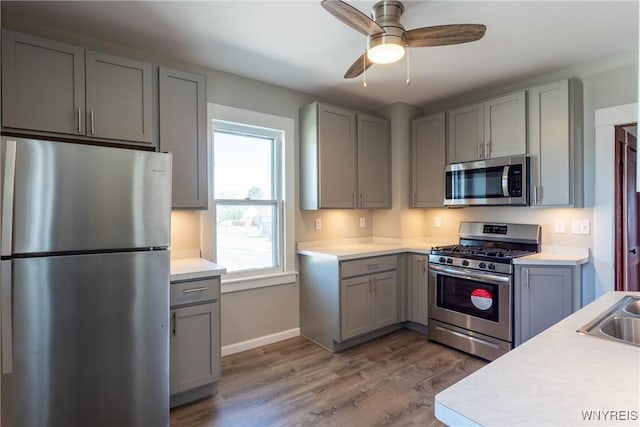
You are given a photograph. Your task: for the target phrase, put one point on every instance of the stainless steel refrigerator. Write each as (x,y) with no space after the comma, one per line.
(85,285)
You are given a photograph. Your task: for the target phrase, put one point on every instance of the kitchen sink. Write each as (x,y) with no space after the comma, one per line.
(620,323)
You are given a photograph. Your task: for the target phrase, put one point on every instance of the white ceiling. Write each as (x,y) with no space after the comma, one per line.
(297,44)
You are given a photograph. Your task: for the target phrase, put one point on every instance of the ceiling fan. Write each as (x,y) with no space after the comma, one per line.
(387,38)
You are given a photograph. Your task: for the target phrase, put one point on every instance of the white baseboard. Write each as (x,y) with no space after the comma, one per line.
(259,342)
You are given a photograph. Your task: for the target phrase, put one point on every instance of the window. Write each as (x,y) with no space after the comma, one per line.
(247,197)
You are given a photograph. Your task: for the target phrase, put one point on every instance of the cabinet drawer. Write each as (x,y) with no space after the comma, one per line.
(195,291)
(367,265)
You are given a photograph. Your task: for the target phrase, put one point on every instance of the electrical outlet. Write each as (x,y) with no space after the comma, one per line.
(581,226)
(363,222)
(437,221)
(558,226)
(318,224)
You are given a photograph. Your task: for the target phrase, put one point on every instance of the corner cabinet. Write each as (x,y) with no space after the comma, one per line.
(182,98)
(494,128)
(195,339)
(344,159)
(428,145)
(555,143)
(344,303)
(544,295)
(418,292)
(57,88)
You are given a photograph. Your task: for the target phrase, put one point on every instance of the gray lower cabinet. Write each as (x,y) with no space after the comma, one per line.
(57,88)
(418,296)
(368,303)
(195,339)
(344,303)
(183,128)
(544,295)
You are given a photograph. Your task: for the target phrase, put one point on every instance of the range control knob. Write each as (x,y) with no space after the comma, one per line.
(441,259)
(492,266)
(465,262)
(482,265)
(449,261)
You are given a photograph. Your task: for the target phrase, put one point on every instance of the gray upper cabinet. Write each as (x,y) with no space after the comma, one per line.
(427,161)
(327,157)
(118,97)
(59,88)
(494,128)
(555,143)
(374,162)
(183,133)
(344,159)
(505,126)
(466,134)
(42,84)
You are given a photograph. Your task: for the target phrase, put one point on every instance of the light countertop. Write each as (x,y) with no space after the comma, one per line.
(368,247)
(554,379)
(194,268)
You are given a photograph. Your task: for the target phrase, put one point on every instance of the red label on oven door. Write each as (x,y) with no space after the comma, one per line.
(481,299)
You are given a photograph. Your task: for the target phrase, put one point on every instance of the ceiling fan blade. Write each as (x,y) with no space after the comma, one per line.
(358,67)
(440,35)
(352,17)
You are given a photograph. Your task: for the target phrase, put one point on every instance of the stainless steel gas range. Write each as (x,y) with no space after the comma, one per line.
(471,286)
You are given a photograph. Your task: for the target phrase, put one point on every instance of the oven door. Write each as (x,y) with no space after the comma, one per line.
(472,300)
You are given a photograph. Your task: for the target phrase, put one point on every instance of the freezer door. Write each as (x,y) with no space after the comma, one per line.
(73,197)
(90,341)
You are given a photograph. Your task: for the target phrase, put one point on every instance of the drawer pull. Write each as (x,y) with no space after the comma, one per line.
(188,291)
(372,266)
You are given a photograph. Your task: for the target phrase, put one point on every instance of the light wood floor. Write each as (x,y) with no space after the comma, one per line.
(388,381)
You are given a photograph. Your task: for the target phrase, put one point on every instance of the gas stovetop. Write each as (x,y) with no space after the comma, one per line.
(496,254)
(490,247)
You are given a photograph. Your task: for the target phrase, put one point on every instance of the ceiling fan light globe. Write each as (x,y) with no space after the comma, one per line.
(385,53)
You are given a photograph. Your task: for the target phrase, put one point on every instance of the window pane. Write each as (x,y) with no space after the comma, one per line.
(245,236)
(242,166)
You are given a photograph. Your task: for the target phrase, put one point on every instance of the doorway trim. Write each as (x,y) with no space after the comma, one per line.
(604,193)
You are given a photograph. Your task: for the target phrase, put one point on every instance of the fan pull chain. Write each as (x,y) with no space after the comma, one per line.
(408,73)
(364,68)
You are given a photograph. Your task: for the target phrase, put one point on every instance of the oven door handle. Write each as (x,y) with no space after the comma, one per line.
(470,274)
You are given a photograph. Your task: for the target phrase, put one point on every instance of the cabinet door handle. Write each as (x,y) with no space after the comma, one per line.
(487,151)
(353,197)
(535,194)
(414,199)
(93,129)
(375,285)
(188,291)
(480,150)
(526,278)
(173,323)
(361,199)
(79,119)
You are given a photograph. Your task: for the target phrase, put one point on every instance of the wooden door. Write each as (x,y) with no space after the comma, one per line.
(627,222)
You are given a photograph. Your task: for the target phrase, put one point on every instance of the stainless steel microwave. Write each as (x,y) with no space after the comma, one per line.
(501,181)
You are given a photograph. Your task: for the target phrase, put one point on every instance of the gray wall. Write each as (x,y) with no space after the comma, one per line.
(255,313)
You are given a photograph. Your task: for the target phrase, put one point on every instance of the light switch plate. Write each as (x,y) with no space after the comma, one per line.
(581,226)
(437,221)
(363,222)
(318,224)
(558,226)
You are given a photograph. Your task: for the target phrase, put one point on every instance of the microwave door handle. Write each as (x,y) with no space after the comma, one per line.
(505,181)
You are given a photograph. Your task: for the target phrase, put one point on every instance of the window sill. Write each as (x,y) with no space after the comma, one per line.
(255,282)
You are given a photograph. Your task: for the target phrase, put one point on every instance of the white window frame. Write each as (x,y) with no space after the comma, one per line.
(286,273)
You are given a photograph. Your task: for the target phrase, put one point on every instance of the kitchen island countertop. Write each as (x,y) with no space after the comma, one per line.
(559,377)
(194,268)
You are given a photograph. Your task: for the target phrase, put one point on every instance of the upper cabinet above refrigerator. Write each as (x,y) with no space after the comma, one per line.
(49,87)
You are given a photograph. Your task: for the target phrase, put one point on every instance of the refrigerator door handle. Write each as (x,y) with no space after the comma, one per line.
(7,318)
(7,198)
